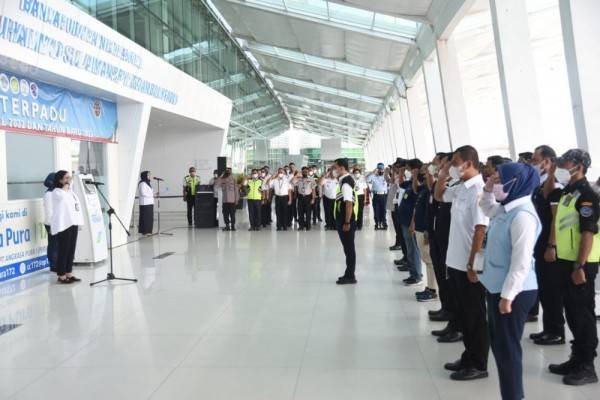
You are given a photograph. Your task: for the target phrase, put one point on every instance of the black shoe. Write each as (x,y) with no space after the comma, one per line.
(435,312)
(536,336)
(278,229)
(346,281)
(429,295)
(74,279)
(65,281)
(226,229)
(582,375)
(532,318)
(402,261)
(232,228)
(395,247)
(412,281)
(451,337)
(440,317)
(468,374)
(563,369)
(442,332)
(402,268)
(384,227)
(549,340)
(453,366)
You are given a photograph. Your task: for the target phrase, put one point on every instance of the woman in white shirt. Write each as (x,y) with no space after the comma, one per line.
(51,250)
(66,217)
(508,267)
(146,196)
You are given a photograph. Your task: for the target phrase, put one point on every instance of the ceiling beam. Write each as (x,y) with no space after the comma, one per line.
(305,100)
(250,97)
(325,89)
(229,80)
(342,133)
(416,18)
(336,23)
(305,111)
(329,133)
(296,117)
(241,116)
(326,64)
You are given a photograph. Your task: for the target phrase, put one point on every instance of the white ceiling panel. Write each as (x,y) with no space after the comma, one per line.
(405,8)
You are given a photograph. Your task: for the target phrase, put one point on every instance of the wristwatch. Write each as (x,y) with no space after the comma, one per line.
(577,266)
(469,267)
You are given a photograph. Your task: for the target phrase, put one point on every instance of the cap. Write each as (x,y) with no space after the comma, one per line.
(381,166)
(577,156)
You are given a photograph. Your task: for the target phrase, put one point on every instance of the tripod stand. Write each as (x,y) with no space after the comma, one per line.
(158,208)
(110,276)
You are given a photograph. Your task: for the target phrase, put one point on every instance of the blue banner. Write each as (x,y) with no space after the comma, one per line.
(32,106)
(21,268)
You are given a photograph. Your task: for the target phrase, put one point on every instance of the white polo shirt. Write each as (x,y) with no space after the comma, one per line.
(330,188)
(466,214)
(281,186)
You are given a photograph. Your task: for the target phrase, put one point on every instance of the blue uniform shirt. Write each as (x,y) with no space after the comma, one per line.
(379,183)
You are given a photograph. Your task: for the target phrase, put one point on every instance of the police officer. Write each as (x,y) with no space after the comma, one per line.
(575,246)
(190,188)
(345,212)
(254,186)
(305,187)
(380,192)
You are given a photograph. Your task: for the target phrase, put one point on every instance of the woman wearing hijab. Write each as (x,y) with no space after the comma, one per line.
(508,267)
(52,249)
(64,225)
(146,196)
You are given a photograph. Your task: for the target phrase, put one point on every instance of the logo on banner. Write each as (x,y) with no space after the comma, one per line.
(4,83)
(34,89)
(24,88)
(14,85)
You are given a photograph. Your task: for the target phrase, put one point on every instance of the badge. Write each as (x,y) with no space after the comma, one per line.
(586,212)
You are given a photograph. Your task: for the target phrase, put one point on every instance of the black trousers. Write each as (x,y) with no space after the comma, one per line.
(281,211)
(254,209)
(66,243)
(580,311)
(293,210)
(437,252)
(191,206)
(146,224)
(347,239)
(379,210)
(506,331)
(52,249)
(304,210)
(551,296)
(316,210)
(265,212)
(229,214)
(328,208)
(361,209)
(471,314)
(398,230)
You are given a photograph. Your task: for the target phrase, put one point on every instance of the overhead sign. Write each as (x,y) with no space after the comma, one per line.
(23,238)
(32,106)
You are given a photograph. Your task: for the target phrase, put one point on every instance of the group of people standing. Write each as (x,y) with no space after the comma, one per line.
(496,239)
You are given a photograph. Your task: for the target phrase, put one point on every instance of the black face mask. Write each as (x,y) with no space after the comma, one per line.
(304,174)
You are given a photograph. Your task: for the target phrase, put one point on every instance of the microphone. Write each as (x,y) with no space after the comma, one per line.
(157,179)
(90,182)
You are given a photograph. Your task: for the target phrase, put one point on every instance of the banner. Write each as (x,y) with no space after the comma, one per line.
(23,238)
(31,106)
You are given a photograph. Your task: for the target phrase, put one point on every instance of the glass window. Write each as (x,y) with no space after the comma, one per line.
(29,159)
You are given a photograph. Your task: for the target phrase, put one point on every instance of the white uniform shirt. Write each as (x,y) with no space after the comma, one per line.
(330,188)
(281,186)
(466,214)
(361,184)
(145,194)
(47,208)
(347,191)
(66,210)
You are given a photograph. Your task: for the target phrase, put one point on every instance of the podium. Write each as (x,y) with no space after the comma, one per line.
(205,215)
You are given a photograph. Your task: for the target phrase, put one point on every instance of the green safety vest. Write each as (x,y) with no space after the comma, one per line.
(254,186)
(568,235)
(192,183)
(339,200)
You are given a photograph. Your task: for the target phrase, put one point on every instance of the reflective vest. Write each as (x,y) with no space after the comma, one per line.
(192,182)
(339,200)
(254,186)
(568,235)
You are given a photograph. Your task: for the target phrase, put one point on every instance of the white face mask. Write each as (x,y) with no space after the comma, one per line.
(499,193)
(562,175)
(335,173)
(357,175)
(310,173)
(254,176)
(407,175)
(538,168)
(280,175)
(454,173)
(432,169)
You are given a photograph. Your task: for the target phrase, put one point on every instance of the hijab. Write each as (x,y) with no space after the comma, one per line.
(519,180)
(49,182)
(144,178)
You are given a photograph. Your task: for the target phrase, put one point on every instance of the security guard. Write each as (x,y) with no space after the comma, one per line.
(345,211)
(254,186)
(575,245)
(306,189)
(190,188)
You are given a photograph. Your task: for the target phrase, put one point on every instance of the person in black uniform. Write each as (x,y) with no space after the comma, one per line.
(575,245)
(345,210)
(548,278)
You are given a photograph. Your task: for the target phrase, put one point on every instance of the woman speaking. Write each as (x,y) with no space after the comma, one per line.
(508,267)
(146,196)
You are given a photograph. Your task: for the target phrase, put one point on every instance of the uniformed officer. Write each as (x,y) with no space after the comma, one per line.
(305,186)
(254,186)
(575,245)
(190,188)
(267,207)
(345,213)
(363,194)
(380,192)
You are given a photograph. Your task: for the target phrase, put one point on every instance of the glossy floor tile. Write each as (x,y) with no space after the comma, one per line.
(240,316)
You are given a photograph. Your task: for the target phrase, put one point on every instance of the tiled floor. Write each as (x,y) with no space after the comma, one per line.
(240,316)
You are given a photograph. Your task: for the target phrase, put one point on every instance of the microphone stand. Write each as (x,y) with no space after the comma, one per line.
(110,276)
(158,208)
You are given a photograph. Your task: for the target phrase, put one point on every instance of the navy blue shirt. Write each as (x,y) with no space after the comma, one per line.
(421,206)
(407,206)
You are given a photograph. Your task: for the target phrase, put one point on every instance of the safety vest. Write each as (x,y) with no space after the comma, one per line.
(192,182)
(339,199)
(254,186)
(568,235)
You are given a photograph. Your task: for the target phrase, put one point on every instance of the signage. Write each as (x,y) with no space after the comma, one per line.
(23,238)
(32,106)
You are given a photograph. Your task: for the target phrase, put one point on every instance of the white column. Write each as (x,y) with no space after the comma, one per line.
(421,131)
(3,173)
(62,154)
(437,108)
(407,127)
(581,30)
(454,100)
(517,75)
